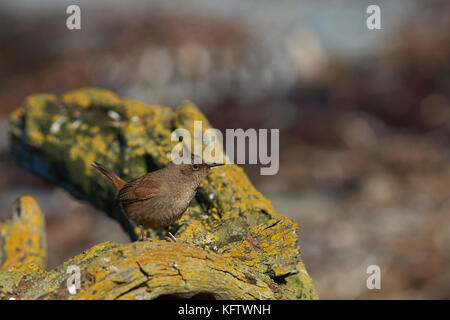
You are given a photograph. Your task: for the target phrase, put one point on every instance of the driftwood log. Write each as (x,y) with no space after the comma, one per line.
(232,243)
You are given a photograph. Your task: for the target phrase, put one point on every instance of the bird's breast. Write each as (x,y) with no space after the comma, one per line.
(160,211)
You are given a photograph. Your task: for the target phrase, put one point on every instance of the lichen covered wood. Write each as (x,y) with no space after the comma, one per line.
(58,139)
(23,246)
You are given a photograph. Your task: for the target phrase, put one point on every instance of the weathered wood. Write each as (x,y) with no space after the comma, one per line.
(59,138)
(147,270)
(23,247)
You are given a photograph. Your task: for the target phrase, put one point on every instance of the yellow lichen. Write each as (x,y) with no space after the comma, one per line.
(24,245)
(230,216)
(88,97)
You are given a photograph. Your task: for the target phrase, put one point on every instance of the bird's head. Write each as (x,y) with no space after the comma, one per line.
(196,170)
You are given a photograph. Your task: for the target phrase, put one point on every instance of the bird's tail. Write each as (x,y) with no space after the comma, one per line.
(115,179)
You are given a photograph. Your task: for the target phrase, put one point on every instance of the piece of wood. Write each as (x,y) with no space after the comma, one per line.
(23,246)
(58,139)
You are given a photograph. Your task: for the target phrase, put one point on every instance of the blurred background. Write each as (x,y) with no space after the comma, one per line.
(364,117)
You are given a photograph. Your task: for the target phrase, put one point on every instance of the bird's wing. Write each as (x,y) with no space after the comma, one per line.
(143,188)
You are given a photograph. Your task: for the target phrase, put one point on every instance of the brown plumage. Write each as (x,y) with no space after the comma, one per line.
(158,198)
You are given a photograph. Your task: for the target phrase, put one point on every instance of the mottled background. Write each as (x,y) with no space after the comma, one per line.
(364,117)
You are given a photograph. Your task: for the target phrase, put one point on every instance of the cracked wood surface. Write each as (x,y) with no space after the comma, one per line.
(58,139)
(148,270)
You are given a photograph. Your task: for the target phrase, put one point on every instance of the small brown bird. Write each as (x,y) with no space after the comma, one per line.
(158,198)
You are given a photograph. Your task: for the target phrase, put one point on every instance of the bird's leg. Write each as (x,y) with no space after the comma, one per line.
(170,237)
(143,235)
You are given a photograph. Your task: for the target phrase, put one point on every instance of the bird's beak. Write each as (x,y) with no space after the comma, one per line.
(215,164)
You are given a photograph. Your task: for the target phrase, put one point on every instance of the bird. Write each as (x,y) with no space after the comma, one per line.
(159,198)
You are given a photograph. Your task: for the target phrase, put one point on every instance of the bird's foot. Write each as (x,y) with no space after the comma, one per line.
(171,238)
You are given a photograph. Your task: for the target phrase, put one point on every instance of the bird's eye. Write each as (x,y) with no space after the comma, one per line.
(195,167)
